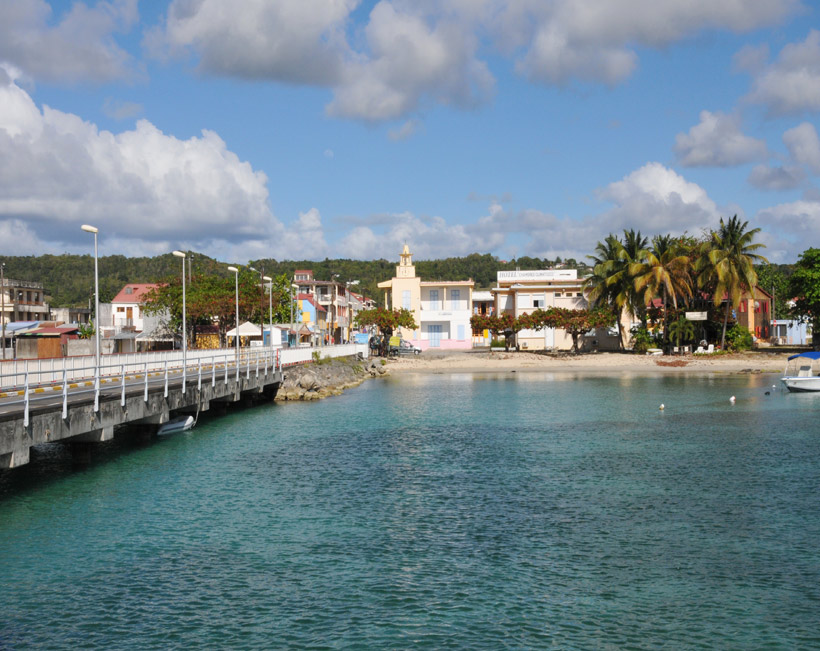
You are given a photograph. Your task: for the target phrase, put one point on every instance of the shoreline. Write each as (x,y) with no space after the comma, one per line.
(750,362)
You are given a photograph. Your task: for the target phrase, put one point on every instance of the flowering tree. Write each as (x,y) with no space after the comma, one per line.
(387,321)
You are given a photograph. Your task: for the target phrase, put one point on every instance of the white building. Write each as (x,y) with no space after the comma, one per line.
(441,309)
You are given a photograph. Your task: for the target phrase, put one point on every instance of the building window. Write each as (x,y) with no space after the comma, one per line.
(405,299)
(129,290)
(539,302)
(461,333)
(434,305)
(455,300)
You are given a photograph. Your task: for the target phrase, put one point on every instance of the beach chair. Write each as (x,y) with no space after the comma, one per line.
(710,349)
(699,351)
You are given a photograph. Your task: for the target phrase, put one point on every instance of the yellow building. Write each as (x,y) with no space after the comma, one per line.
(441,309)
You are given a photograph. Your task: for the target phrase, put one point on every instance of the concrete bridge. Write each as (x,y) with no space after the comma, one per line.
(69,399)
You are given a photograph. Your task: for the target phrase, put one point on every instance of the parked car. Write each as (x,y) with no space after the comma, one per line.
(400,346)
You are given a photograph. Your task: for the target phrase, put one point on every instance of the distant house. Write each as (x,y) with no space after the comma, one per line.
(522,291)
(312,322)
(441,309)
(127,307)
(22,300)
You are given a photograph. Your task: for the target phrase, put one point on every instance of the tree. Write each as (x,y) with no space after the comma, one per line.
(663,273)
(387,321)
(611,282)
(681,330)
(209,299)
(804,287)
(578,322)
(726,265)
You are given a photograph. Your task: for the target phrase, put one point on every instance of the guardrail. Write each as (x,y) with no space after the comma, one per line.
(33,380)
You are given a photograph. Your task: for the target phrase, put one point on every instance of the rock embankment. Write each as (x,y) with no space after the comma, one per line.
(329,377)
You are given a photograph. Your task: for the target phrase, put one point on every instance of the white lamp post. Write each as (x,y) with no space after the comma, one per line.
(180,254)
(236,337)
(93,229)
(270,310)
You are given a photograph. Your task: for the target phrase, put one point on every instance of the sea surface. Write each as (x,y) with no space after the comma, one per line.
(522,510)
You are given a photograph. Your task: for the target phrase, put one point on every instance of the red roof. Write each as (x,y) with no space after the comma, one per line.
(133,292)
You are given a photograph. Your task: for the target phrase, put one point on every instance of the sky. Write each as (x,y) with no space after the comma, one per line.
(312,129)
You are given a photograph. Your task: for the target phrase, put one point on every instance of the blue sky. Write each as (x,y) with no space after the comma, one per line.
(338,128)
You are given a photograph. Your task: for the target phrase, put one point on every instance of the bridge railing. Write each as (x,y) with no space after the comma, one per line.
(41,372)
(38,380)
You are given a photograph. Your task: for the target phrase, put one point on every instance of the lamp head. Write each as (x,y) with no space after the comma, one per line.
(234,269)
(89,229)
(267,278)
(178,254)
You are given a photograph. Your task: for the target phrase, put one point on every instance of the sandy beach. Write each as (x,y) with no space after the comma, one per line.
(498,361)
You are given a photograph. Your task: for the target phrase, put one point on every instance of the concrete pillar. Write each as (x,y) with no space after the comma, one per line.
(94,436)
(19,457)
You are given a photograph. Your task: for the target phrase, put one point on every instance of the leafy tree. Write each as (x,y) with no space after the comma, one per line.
(577,322)
(387,321)
(681,331)
(727,262)
(664,272)
(804,287)
(774,278)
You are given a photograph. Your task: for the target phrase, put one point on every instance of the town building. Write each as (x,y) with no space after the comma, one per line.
(22,300)
(338,301)
(522,291)
(127,308)
(441,309)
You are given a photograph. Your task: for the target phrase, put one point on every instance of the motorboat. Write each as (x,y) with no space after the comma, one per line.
(177,425)
(802,372)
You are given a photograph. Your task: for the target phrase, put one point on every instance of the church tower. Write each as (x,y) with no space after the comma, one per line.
(406,268)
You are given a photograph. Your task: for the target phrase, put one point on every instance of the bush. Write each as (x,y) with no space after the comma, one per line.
(738,338)
(642,340)
(497,343)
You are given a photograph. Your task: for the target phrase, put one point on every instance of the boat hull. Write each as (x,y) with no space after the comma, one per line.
(802,384)
(177,425)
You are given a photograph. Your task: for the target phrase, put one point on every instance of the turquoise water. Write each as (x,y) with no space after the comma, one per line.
(439,511)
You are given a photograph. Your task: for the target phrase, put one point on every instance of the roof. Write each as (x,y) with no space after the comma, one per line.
(49,331)
(246,329)
(136,293)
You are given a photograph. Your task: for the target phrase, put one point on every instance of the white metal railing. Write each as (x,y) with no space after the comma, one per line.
(33,380)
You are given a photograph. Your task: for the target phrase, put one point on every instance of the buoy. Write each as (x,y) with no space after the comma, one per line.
(768,393)
(661,407)
(732,399)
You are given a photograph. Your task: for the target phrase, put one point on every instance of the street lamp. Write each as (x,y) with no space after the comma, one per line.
(3,303)
(270,310)
(236,334)
(180,254)
(94,229)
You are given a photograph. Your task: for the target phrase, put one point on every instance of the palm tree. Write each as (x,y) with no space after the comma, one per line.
(665,272)
(727,264)
(601,286)
(681,330)
(610,283)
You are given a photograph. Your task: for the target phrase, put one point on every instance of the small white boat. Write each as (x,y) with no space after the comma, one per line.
(177,425)
(802,372)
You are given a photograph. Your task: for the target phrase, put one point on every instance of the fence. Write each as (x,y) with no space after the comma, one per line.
(28,378)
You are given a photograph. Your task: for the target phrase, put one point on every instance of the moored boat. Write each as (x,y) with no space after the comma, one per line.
(802,372)
(177,425)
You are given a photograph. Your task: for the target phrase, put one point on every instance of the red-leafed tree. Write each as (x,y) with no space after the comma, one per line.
(387,321)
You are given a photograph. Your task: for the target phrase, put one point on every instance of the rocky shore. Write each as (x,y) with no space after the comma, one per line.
(328,377)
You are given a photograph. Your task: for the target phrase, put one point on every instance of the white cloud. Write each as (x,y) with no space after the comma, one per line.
(792,226)
(76,46)
(404,55)
(411,57)
(717,141)
(405,131)
(595,41)
(791,85)
(777,178)
(804,146)
(58,171)
(293,41)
